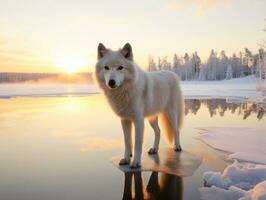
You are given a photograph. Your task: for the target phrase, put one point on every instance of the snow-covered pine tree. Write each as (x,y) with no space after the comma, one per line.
(211,66)
(187,66)
(203,73)
(262,63)
(229,72)
(222,66)
(196,62)
(177,65)
(248,62)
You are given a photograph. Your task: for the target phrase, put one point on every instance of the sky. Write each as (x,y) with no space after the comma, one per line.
(62,35)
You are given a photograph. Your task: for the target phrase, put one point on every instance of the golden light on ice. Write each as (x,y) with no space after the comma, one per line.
(70,64)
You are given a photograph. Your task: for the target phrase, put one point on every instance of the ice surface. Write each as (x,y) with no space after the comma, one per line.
(46,90)
(236,182)
(245,144)
(166,161)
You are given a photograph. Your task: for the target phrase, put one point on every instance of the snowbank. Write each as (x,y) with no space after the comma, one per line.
(244,144)
(238,88)
(245,183)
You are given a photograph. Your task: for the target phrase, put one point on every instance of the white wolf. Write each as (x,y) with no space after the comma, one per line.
(134,95)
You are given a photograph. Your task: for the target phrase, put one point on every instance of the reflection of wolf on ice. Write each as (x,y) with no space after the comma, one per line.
(134,94)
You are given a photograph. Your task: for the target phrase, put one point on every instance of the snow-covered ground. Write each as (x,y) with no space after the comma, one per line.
(238,181)
(235,89)
(243,89)
(243,183)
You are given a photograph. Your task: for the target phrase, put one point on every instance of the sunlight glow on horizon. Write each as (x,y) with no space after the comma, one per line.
(70,64)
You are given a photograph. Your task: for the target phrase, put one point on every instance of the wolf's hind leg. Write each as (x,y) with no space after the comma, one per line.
(172,114)
(127,126)
(154,124)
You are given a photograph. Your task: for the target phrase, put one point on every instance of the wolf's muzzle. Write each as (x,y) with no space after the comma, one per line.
(112,83)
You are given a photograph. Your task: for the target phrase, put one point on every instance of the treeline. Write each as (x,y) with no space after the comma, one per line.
(217,67)
(7,77)
(13,77)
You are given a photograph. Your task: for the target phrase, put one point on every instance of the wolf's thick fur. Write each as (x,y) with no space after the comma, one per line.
(134,95)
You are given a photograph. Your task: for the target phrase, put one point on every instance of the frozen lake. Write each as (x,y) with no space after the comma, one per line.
(61,148)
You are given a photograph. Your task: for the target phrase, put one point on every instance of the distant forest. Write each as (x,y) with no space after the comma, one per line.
(13,77)
(217,67)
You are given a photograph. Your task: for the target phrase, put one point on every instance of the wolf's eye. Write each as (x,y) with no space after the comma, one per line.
(106,67)
(120,68)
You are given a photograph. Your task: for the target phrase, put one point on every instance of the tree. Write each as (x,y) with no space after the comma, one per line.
(211,66)
(151,64)
(236,65)
(196,63)
(229,72)
(177,65)
(187,65)
(203,73)
(165,64)
(262,63)
(222,66)
(248,62)
(159,64)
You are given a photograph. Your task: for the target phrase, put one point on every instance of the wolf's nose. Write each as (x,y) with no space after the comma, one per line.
(111,83)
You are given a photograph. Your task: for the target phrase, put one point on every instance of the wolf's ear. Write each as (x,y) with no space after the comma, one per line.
(101,50)
(126,51)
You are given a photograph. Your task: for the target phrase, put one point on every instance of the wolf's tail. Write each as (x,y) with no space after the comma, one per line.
(167,117)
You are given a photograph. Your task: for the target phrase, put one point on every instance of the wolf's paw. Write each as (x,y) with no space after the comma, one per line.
(135,165)
(178,148)
(152,151)
(124,161)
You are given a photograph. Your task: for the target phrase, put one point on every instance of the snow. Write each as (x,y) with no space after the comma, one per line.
(246,181)
(244,144)
(240,89)
(236,182)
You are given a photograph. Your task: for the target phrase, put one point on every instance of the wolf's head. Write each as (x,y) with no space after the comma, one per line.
(115,68)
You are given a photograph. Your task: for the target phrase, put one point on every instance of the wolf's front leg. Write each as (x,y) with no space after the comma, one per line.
(126,125)
(139,128)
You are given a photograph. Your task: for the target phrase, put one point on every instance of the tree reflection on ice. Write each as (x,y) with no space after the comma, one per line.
(220,106)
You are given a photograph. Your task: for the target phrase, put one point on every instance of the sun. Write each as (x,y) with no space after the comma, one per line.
(70,64)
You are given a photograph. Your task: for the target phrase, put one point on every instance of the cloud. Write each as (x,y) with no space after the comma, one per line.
(12,55)
(200,5)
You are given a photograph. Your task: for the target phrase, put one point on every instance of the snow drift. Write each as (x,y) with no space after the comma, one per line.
(236,182)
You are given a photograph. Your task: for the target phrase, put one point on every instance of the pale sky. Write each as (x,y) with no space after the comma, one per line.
(54,35)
